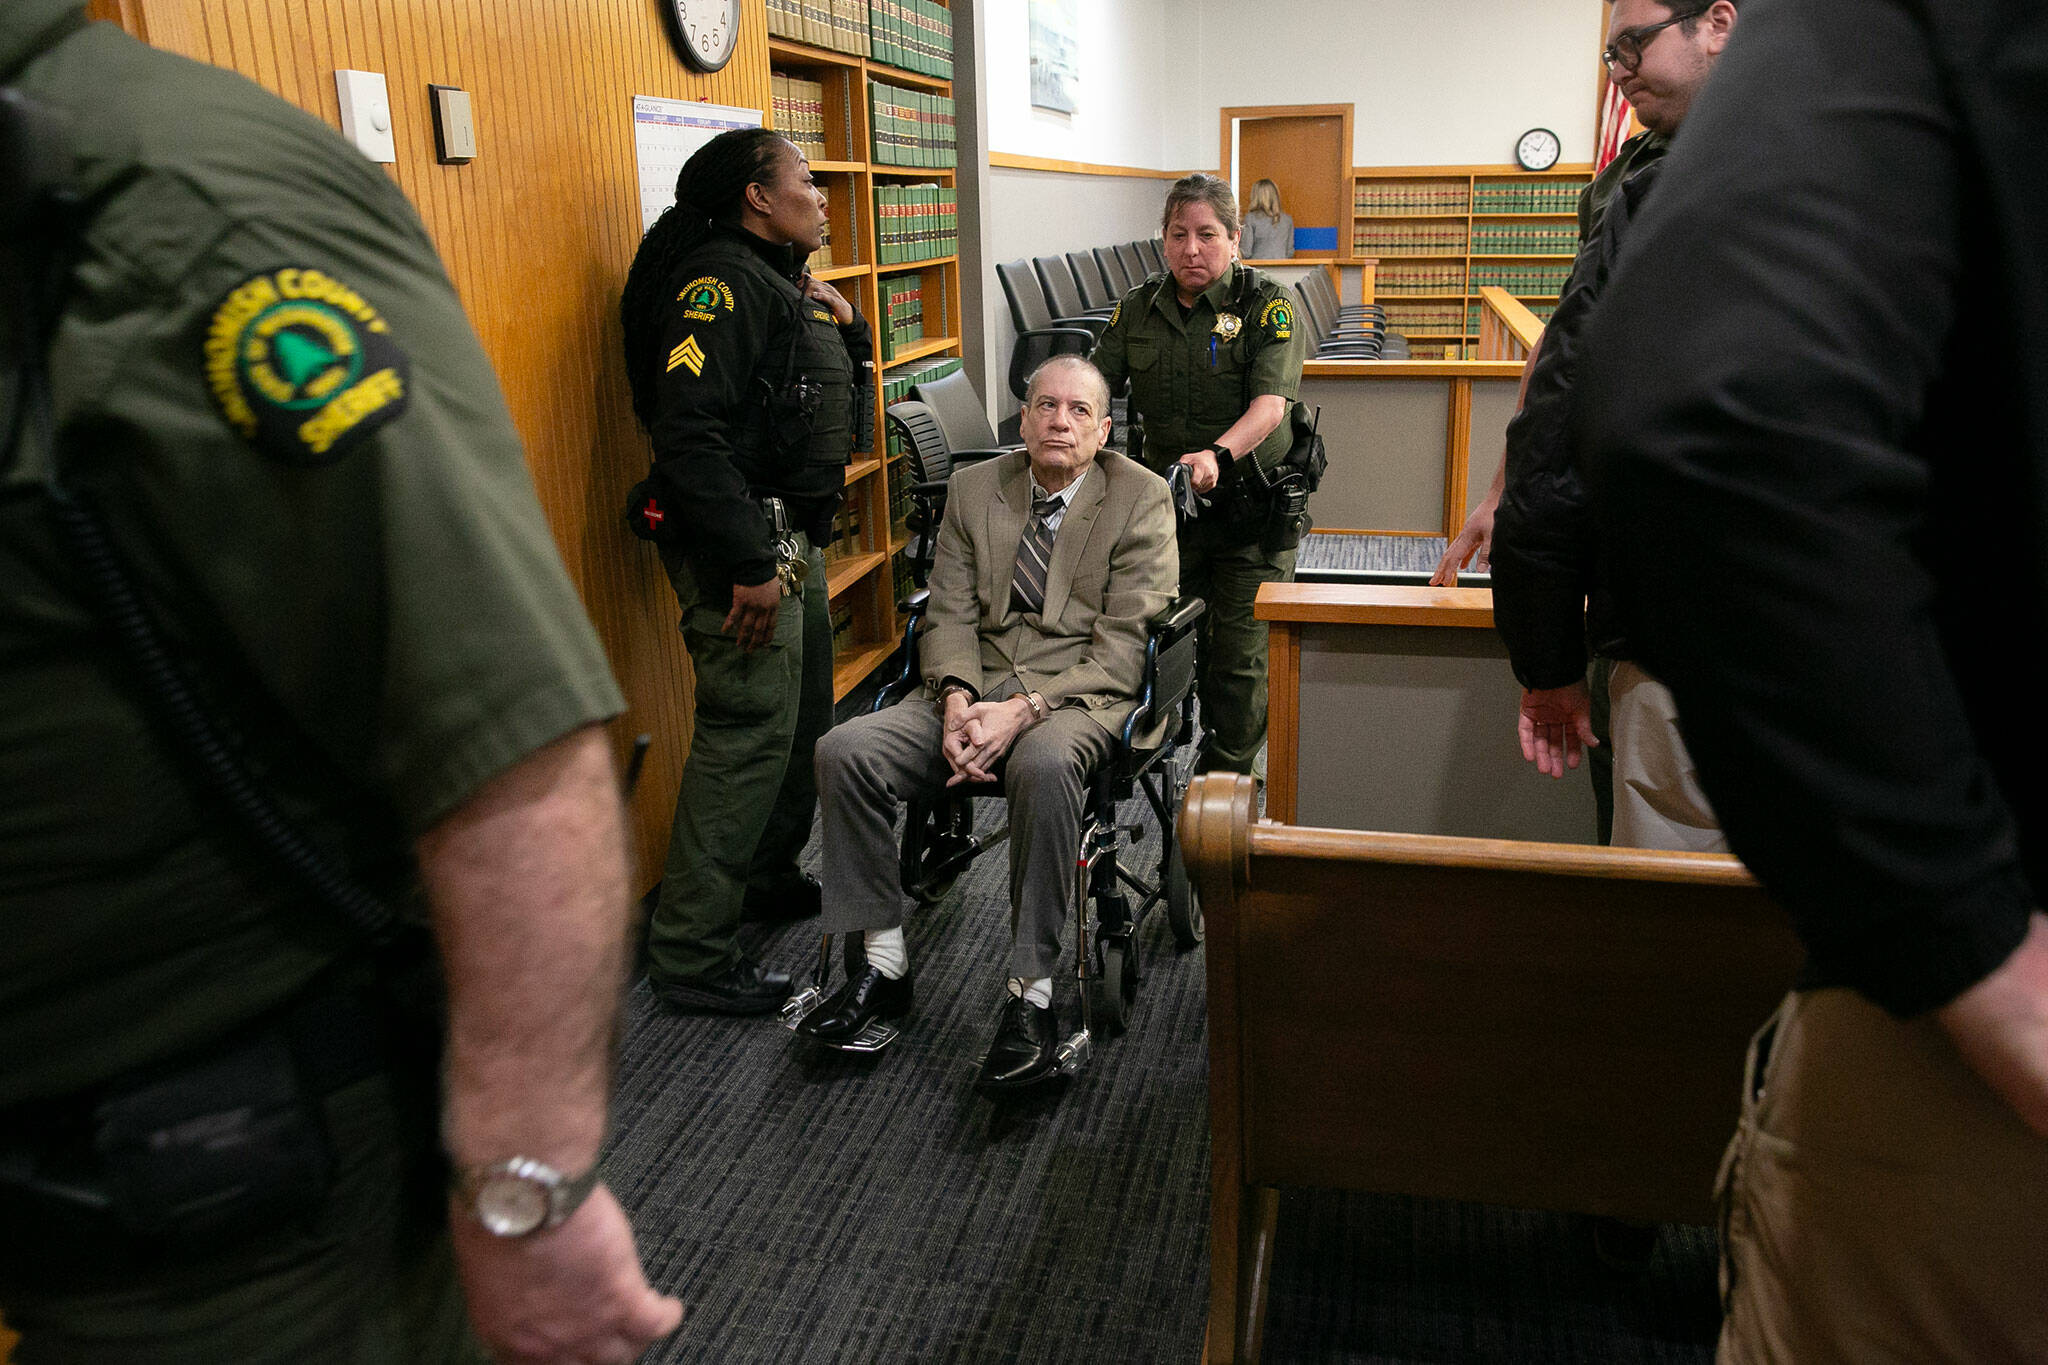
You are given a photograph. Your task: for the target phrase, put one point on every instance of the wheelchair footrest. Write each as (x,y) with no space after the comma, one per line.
(1073,1053)
(799,1006)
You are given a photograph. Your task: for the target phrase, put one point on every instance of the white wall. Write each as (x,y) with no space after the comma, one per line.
(1435,82)
(1126,101)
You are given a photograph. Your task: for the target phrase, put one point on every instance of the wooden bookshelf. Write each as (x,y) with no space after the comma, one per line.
(1478,198)
(861,574)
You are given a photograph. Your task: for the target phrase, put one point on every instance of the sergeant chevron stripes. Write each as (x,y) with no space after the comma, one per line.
(688,353)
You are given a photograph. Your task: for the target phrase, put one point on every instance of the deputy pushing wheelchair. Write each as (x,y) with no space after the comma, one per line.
(1136,747)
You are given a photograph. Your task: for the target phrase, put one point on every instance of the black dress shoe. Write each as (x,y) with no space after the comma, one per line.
(746,987)
(866,996)
(784,902)
(1026,1047)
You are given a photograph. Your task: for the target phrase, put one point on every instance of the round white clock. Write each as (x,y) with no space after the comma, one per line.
(1537,150)
(706,32)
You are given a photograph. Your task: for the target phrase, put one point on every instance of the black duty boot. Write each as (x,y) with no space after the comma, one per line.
(743,988)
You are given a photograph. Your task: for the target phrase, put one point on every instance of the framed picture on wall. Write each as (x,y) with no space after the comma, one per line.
(1055,55)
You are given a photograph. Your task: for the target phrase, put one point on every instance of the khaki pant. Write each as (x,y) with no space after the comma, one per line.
(1657,798)
(1879,1202)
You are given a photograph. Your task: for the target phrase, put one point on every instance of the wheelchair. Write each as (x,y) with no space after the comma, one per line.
(1112,901)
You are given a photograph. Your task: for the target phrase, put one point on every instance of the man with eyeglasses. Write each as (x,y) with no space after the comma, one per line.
(1823,492)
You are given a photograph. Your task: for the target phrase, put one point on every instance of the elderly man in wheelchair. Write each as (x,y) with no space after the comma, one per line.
(1049,607)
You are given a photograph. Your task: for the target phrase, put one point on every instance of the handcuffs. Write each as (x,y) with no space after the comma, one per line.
(792,567)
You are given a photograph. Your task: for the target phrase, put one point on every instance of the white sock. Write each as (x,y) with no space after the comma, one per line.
(1038,990)
(887,953)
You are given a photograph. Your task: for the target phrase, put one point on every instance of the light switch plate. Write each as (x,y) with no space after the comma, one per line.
(454,124)
(366,113)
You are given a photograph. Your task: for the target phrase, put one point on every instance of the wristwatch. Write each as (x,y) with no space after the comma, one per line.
(521,1196)
(1222,451)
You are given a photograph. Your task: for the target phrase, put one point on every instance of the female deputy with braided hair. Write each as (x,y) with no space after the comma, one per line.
(747,374)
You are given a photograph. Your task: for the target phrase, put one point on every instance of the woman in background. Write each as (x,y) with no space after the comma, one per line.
(1268,233)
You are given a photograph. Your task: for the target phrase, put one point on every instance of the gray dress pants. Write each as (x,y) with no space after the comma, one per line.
(873,764)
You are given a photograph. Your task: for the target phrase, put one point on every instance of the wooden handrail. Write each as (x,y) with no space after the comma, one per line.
(1374,604)
(1507,329)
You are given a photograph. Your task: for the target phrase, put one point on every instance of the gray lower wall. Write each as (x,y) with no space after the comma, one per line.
(1038,213)
(1385,439)
(1412,729)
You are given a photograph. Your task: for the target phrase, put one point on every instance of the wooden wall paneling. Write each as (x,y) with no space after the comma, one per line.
(537,234)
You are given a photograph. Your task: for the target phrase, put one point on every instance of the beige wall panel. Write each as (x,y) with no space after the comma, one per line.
(537,234)
(1386,444)
(1412,729)
(1493,403)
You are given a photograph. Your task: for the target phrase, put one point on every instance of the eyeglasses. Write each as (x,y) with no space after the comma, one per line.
(1626,51)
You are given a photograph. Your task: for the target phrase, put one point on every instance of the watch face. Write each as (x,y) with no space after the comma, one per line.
(1538,150)
(705,31)
(510,1205)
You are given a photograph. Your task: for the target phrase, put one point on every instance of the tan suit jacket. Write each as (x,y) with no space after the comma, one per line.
(1115,566)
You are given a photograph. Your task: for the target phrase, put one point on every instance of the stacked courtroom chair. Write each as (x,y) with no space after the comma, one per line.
(1360,338)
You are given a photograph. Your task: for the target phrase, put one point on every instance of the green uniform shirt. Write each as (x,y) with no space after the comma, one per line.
(1193,377)
(1636,153)
(264,378)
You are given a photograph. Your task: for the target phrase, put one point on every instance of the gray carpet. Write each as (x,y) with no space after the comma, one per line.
(812,1208)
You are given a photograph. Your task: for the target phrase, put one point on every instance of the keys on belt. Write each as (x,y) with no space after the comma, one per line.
(792,567)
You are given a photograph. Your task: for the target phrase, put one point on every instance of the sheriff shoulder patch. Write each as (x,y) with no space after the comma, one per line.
(303,367)
(1116,312)
(1278,319)
(703,298)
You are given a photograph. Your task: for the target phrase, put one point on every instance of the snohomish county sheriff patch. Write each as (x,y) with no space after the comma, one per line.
(703,297)
(1278,319)
(302,366)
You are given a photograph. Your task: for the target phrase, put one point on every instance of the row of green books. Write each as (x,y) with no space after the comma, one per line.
(1522,279)
(1419,279)
(1523,239)
(799,112)
(1425,317)
(916,35)
(841,25)
(900,382)
(1409,239)
(1395,197)
(846,532)
(1526,196)
(916,222)
(911,127)
(903,310)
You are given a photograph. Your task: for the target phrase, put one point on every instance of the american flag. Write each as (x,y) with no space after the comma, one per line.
(1617,125)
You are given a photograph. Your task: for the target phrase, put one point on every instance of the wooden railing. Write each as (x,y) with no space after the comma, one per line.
(1531,1025)
(1507,329)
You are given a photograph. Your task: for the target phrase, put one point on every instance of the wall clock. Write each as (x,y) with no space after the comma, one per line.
(705,32)
(1537,150)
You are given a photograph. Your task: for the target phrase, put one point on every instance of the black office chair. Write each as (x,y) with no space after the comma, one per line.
(1323,342)
(1153,254)
(1061,289)
(1040,336)
(1135,265)
(931,459)
(1114,270)
(1095,290)
(1318,286)
(962,419)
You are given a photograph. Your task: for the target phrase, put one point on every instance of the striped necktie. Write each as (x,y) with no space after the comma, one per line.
(1034,557)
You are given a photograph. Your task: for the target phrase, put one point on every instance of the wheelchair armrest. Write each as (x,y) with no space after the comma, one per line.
(1179,617)
(909,678)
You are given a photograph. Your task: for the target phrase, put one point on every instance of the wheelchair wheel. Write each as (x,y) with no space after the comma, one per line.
(1183,906)
(931,836)
(1116,984)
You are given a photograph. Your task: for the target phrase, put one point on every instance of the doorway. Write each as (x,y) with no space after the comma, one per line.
(1305,150)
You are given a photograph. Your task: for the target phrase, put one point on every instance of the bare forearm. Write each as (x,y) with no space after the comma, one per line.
(1267,411)
(527,883)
